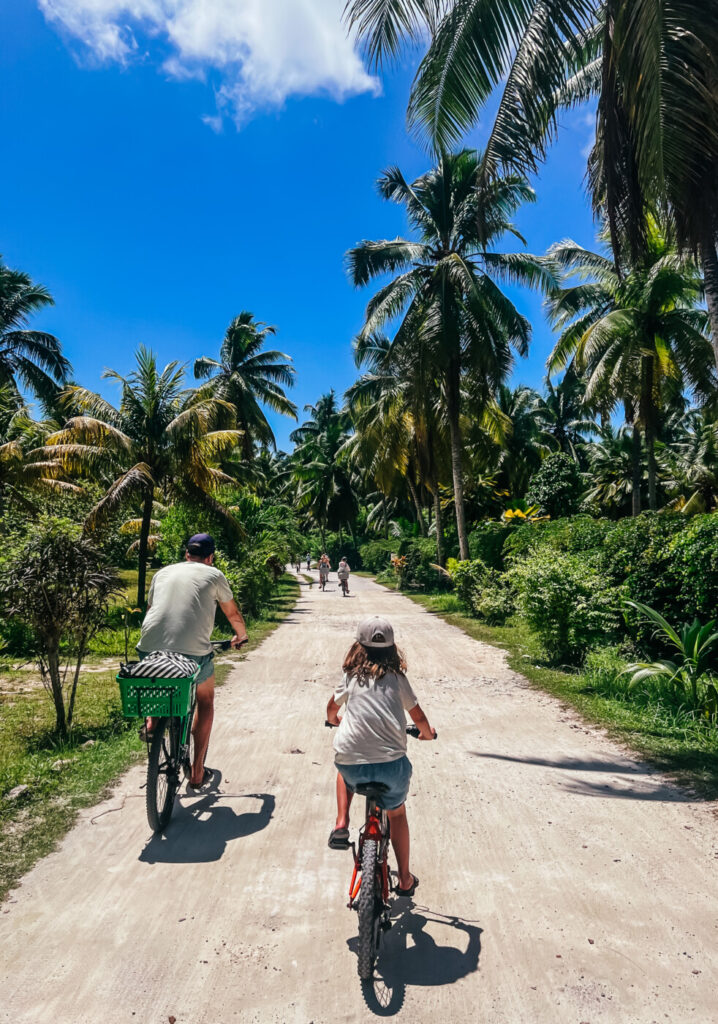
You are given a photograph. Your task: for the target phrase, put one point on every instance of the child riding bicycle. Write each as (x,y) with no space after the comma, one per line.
(343,571)
(370,744)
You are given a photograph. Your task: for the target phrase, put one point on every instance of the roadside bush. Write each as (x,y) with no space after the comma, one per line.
(486,542)
(556,487)
(415,566)
(252,582)
(692,565)
(565,602)
(467,577)
(376,554)
(494,602)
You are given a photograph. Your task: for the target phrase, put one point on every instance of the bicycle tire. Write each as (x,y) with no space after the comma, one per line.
(369,911)
(162,777)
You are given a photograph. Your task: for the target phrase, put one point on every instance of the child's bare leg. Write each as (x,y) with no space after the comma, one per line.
(400,842)
(344,799)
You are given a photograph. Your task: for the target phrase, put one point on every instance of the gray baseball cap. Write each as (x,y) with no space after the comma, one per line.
(375,632)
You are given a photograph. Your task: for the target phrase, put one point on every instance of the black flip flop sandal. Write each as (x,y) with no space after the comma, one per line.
(208,775)
(407,892)
(339,839)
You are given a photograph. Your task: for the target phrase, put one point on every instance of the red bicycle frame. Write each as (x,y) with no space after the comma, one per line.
(373,829)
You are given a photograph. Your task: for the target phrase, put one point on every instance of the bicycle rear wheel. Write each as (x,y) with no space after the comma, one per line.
(369,907)
(162,773)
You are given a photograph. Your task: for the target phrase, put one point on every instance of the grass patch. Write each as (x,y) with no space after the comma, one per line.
(671,738)
(64,777)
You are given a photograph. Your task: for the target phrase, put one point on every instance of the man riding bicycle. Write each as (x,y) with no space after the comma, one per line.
(180,617)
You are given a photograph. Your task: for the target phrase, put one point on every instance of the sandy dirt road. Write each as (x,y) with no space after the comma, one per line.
(561,881)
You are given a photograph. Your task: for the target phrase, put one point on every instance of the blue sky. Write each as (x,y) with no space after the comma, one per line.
(164,171)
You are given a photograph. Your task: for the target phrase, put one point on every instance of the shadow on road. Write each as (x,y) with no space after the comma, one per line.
(199,832)
(412,956)
(633,783)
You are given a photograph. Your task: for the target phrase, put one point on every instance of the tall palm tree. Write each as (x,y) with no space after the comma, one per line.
(22,469)
(636,332)
(324,486)
(652,67)
(396,412)
(444,284)
(28,359)
(249,378)
(161,439)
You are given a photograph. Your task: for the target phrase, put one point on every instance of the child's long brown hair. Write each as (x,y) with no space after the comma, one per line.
(373,662)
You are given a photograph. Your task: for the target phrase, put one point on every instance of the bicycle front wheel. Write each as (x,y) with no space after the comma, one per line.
(162,773)
(369,907)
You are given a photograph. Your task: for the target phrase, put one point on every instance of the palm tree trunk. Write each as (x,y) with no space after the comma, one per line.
(439,527)
(385,523)
(453,403)
(709,260)
(53,671)
(415,498)
(649,427)
(636,472)
(144,537)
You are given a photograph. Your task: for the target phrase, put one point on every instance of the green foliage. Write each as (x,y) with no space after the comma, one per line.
(566,603)
(376,554)
(494,602)
(252,582)
(690,670)
(604,671)
(486,541)
(468,578)
(693,566)
(556,487)
(415,568)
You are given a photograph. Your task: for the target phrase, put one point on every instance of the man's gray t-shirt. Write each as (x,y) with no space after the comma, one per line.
(373,727)
(183,599)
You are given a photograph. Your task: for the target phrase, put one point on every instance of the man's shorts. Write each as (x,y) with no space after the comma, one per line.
(394,774)
(205,662)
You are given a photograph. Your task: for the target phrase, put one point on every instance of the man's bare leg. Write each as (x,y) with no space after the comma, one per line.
(202,727)
(344,799)
(400,841)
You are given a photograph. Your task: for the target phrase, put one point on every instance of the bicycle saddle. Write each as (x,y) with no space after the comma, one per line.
(371,788)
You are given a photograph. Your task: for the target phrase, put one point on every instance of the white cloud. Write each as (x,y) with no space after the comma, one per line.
(263,50)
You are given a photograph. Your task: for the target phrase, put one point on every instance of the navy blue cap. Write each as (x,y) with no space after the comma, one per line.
(201,545)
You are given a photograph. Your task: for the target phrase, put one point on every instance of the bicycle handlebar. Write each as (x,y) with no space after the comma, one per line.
(224,645)
(411,730)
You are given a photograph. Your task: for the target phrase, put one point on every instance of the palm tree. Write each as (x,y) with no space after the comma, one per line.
(160,439)
(324,483)
(611,470)
(636,332)
(690,461)
(562,414)
(444,284)
(652,67)
(28,359)
(248,378)
(22,468)
(396,412)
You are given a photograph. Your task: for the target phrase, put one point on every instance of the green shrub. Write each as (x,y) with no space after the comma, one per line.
(566,603)
(252,582)
(494,602)
(415,567)
(486,542)
(376,554)
(556,487)
(693,568)
(467,577)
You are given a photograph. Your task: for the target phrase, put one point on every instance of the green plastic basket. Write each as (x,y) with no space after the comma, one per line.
(160,698)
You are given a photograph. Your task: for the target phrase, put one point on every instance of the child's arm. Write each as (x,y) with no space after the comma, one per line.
(419,718)
(333,711)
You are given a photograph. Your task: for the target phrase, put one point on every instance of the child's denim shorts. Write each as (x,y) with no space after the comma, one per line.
(394,774)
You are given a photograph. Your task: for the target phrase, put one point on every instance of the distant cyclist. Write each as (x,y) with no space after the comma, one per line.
(343,571)
(324,569)
(181,607)
(309,559)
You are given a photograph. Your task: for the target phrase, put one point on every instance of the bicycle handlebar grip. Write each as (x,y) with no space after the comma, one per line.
(415,731)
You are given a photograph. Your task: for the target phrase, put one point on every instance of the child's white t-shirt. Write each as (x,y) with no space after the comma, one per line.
(373,727)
